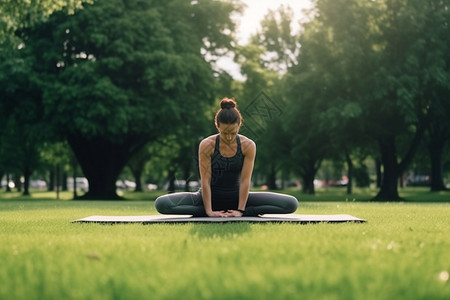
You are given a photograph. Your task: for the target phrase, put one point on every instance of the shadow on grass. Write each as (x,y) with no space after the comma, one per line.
(228,231)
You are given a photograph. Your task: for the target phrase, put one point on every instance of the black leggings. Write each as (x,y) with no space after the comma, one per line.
(258,203)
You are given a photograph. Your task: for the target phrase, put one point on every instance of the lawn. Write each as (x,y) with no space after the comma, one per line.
(402,252)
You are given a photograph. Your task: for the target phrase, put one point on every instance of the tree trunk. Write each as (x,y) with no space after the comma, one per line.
(17,182)
(392,169)
(271,180)
(26,183)
(379,178)
(64,182)
(137,174)
(136,165)
(8,178)
(283,179)
(75,167)
(171,188)
(51,181)
(187,176)
(401,180)
(436,148)
(308,184)
(308,174)
(349,173)
(58,180)
(389,188)
(308,179)
(101,161)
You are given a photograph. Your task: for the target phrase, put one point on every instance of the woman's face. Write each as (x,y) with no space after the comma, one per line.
(228,132)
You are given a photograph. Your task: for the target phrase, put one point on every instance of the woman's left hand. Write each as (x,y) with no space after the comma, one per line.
(234,213)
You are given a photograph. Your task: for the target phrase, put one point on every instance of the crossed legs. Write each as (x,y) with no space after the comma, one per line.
(258,203)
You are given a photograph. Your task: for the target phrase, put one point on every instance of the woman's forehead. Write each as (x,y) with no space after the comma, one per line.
(229,127)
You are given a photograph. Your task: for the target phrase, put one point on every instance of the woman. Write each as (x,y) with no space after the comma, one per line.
(226,163)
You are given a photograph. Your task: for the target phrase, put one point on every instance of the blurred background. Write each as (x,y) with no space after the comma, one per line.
(104,96)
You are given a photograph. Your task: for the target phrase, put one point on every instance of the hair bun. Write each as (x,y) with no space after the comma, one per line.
(227,103)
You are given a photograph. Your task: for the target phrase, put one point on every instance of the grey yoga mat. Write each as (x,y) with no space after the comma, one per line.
(273,218)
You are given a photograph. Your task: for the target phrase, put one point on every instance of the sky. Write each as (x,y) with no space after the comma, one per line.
(249,23)
(257,9)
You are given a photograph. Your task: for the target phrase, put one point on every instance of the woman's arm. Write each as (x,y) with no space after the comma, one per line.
(205,152)
(246,176)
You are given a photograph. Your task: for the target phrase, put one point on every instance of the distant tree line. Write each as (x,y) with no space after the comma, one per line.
(105,85)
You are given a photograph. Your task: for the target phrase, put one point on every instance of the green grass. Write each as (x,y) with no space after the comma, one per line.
(402,252)
(408,194)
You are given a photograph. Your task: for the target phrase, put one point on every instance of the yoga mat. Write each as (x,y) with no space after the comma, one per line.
(273,218)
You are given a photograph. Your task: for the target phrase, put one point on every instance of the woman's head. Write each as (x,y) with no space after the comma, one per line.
(228,113)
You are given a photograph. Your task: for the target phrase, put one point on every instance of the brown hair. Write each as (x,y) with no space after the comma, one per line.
(228,113)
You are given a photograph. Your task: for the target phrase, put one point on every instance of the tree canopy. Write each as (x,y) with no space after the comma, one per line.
(117,74)
(372,64)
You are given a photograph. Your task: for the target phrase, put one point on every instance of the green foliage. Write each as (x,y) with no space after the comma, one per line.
(261,61)
(110,81)
(115,75)
(368,71)
(23,130)
(171,156)
(20,14)
(279,39)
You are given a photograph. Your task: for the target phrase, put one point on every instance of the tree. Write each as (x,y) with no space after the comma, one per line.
(374,59)
(310,143)
(412,64)
(263,61)
(118,74)
(279,39)
(24,130)
(307,88)
(21,108)
(137,165)
(438,136)
(438,89)
(58,161)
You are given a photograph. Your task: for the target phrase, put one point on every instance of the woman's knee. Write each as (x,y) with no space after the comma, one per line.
(162,204)
(291,204)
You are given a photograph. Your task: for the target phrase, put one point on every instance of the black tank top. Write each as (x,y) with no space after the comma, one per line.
(225,177)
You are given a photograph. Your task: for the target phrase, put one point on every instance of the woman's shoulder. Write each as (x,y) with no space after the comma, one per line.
(209,139)
(246,140)
(208,143)
(247,144)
